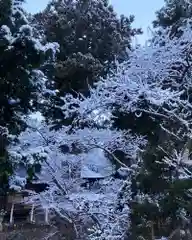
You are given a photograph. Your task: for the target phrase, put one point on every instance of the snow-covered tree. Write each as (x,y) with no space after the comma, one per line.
(132,134)
(149,84)
(91,37)
(174,15)
(66,160)
(22,84)
(142,110)
(21,55)
(149,95)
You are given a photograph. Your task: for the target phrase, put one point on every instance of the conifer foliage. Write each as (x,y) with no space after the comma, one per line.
(21,54)
(90,35)
(173,15)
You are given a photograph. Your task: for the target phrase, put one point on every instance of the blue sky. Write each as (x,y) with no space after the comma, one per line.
(144,11)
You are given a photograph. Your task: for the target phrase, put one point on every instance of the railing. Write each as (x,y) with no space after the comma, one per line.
(17,201)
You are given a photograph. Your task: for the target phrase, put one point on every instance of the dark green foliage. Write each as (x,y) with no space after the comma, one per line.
(160,195)
(161,191)
(173,15)
(17,62)
(21,54)
(5,12)
(5,166)
(90,37)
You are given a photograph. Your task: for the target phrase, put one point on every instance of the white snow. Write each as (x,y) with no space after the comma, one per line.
(96,165)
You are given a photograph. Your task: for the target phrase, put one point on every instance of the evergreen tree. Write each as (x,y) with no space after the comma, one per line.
(5,166)
(90,36)
(161,188)
(174,15)
(21,54)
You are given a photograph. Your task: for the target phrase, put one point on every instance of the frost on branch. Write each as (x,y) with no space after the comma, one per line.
(155,81)
(63,155)
(18,12)
(181,162)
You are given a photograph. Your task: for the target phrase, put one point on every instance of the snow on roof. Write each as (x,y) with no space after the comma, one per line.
(96,165)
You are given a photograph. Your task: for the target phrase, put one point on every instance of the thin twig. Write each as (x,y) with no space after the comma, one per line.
(50,235)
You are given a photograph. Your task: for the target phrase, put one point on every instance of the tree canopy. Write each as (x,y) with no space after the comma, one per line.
(120,161)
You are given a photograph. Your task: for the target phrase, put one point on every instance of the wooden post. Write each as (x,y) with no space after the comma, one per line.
(32,213)
(2,214)
(11,214)
(46,215)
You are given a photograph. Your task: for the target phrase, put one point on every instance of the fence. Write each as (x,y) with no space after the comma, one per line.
(15,209)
